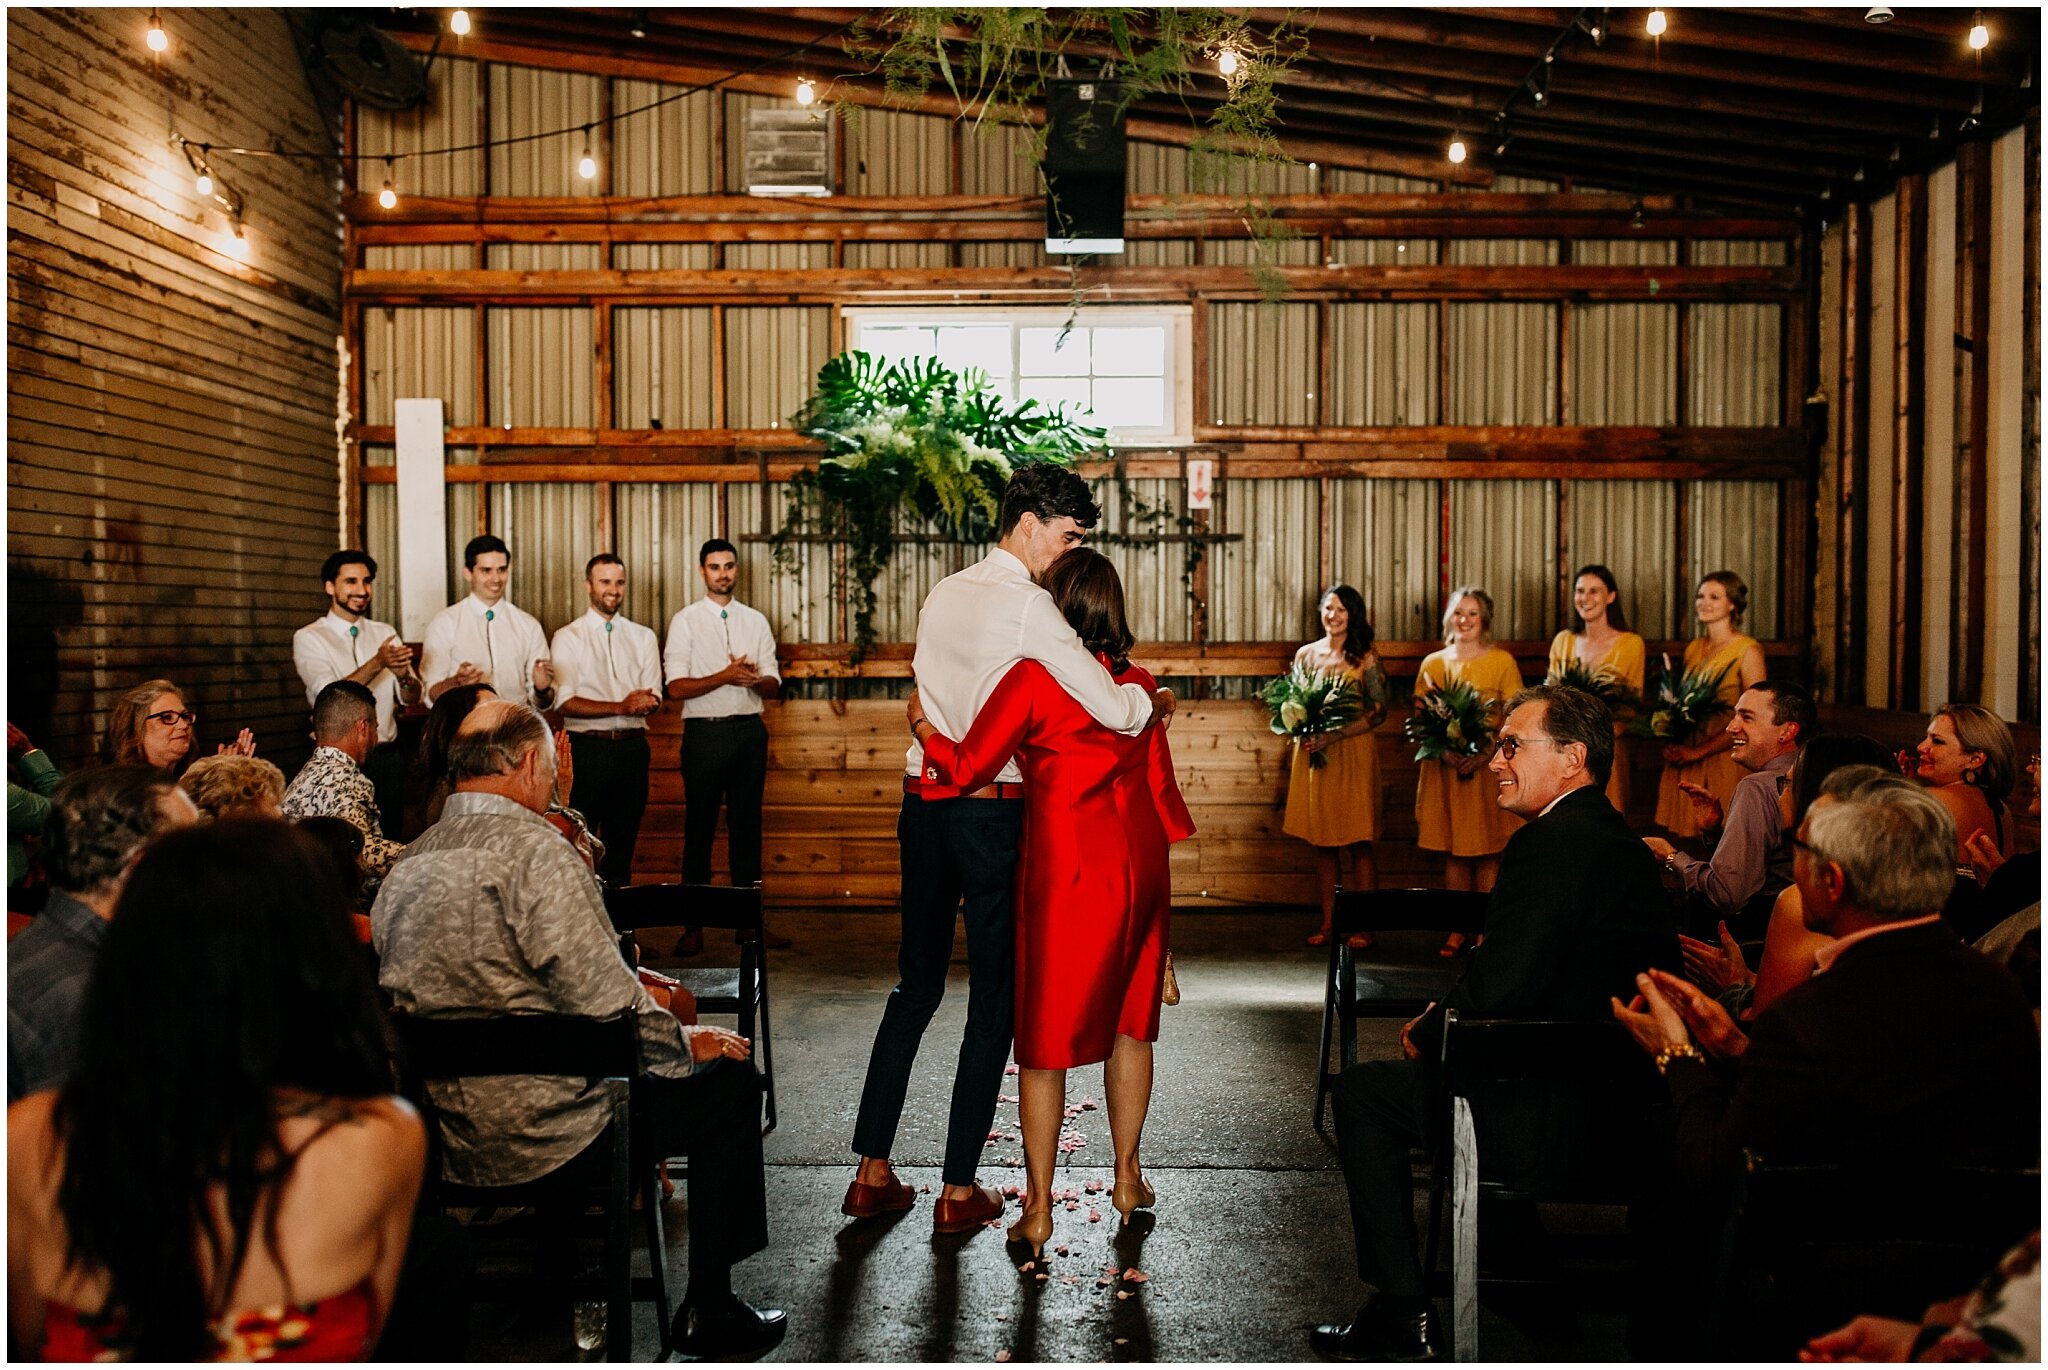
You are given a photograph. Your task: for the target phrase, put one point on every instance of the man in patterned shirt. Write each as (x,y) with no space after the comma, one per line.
(332,785)
(492,911)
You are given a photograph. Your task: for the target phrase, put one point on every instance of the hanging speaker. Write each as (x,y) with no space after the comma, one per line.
(1085,166)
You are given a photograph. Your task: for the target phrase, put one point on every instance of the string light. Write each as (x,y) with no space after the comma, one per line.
(1980,37)
(1226,61)
(387,198)
(587,168)
(458,23)
(806,92)
(238,244)
(1656,24)
(1456,151)
(204,185)
(159,41)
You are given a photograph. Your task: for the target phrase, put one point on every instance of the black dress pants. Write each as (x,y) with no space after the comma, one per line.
(1382,1109)
(955,852)
(385,767)
(611,794)
(725,761)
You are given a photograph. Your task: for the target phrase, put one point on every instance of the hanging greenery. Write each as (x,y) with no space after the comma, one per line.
(913,435)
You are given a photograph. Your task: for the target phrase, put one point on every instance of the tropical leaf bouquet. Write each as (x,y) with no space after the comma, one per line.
(1450,720)
(1684,701)
(1304,703)
(1602,684)
(918,436)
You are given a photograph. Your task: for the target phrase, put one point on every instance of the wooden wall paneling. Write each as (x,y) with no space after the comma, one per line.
(1909,425)
(718,384)
(1853,540)
(1973,241)
(1799,538)
(1325,553)
(1561,607)
(2030,431)
(1685,578)
(1323,385)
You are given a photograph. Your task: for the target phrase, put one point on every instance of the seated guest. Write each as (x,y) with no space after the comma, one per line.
(226,1174)
(1789,944)
(28,804)
(1968,762)
(2004,887)
(232,785)
(150,726)
(332,783)
(1905,1048)
(100,820)
(343,843)
(1998,1321)
(430,770)
(1752,861)
(492,911)
(1576,908)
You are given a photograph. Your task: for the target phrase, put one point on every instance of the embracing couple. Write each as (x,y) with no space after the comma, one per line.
(1035,742)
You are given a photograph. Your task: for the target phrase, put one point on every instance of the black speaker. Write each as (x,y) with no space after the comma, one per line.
(1085,166)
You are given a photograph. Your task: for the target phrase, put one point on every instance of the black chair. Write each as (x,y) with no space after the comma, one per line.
(741,990)
(605,1049)
(1372,984)
(1572,1098)
(1805,1248)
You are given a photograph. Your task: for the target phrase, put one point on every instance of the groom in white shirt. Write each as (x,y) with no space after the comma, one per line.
(960,850)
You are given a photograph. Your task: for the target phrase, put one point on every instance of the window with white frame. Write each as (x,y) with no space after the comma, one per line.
(1126,369)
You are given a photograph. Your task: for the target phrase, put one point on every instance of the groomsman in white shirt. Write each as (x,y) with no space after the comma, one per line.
(347,644)
(608,674)
(485,637)
(720,661)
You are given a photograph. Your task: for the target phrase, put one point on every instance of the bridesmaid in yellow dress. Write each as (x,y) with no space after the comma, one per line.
(1705,760)
(1456,808)
(1602,643)
(1336,808)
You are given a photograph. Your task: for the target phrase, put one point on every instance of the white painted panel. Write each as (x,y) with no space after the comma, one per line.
(423,515)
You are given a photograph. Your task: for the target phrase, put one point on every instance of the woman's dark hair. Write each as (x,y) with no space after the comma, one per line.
(342,843)
(1616,619)
(1823,755)
(229,973)
(1085,586)
(439,734)
(1357,628)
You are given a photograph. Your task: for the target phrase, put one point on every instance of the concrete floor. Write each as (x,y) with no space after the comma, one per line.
(1251,1243)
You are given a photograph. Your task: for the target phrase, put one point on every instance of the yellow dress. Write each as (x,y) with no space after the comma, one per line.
(1339,803)
(1718,774)
(1462,817)
(1624,661)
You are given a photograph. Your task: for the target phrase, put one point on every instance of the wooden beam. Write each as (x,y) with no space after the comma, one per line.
(2030,431)
(1909,426)
(1973,234)
(1852,596)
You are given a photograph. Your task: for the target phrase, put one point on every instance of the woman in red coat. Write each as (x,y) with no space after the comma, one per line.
(1093,893)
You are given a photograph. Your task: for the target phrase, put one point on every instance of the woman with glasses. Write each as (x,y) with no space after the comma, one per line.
(151,726)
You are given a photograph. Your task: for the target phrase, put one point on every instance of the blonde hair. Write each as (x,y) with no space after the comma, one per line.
(122,745)
(219,786)
(1459,596)
(1738,593)
(1980,730)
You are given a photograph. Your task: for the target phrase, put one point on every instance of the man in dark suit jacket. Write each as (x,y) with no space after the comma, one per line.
(1576,911)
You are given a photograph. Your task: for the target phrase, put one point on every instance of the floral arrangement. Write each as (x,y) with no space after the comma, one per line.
(917,435)
(1304,703)
(1684,702)
(1602,684)
(1451,720)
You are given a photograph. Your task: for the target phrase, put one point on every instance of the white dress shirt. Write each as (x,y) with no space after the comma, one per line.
(703,639)
(501,640)
(978,623)
(598,659)
(329,648)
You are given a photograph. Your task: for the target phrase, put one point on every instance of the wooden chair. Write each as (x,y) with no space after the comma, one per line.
(1597,1062)
(1805,1248)
(742,990)
(548,1044)
(1360,984)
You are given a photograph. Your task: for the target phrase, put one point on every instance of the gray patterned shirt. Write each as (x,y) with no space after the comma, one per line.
(331,785)
(491,909)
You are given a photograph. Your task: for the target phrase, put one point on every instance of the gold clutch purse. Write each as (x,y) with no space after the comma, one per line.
(1169,988)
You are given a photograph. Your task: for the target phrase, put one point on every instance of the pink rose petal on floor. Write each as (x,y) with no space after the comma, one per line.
(1003,1356)
(924,1189)
(1094,1216)
(1042,1276)
(1136,1276)
(1005,1317)
(1070,1279)
(1123,1341)
(1112,1269)
(1088,1103)
(1060,1250)
(1071,1206)
(1010,1069)
(1123,1293)
(1010,1191)
(1103,1283)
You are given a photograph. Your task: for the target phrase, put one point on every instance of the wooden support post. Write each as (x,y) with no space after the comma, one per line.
(1909,427)
(2030,431)
(1681,390)
(602,396)
(1561,551)
(719,417)
(1203,386)
(1324,403)
(1443,366)
(1852,544)
(1561,414)
(1798,537)
(1973,300)
(1686,578)
(1443,544)
(1325,552)
(718,179)
(605,522)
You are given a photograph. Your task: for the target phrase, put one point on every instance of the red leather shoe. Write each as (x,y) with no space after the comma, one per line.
(873,1200)
(964,1215)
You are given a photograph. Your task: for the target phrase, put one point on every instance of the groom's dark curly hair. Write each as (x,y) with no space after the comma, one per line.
(1050,491)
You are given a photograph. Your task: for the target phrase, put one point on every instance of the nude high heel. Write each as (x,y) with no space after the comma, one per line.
(1128,1196)
(1033,1229)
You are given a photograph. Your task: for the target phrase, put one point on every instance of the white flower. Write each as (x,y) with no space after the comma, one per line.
(1293,713)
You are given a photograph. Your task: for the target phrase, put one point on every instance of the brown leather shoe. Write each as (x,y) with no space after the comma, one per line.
(964,1215)
(872,1200)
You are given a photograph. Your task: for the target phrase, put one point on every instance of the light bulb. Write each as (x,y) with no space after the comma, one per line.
(1456,151)
(587,168)
(458,23)
(387,198)
(205,183)
(1656,23)
(1980,37)
(160,41)
(237,245)
(806,92)
(1226,62)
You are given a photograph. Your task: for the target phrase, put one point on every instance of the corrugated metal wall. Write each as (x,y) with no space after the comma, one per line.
(1262,363)
(799,607)
(1155,578)
(411,354)
(658,529)
(1624,364)
(889,152)
(1626,526)
(662,367)
(771,358)
(664,256)
(1735,528)
(1383,364)
(541,368)
(667,150)
(526,101)
(448,118)
(997,159)
(1383,543)
(1504,540)
(1503,363)
(1259,587)
(552,531)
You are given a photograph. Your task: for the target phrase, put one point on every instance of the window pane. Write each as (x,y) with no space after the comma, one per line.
(897,343)
(1052,352)
(1136,402)
(1130,352)
(982,347)
(1053,393)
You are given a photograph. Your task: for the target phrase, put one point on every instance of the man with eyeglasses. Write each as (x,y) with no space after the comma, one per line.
(485,638)
(608,673)
(720,661)
(347,644)
(1752,860)
(1575,914)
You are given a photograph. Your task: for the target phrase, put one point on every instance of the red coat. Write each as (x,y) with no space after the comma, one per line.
(1093,894)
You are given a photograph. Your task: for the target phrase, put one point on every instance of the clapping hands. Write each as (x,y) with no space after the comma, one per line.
(243,745)
(1669,1012)
(1716,966)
